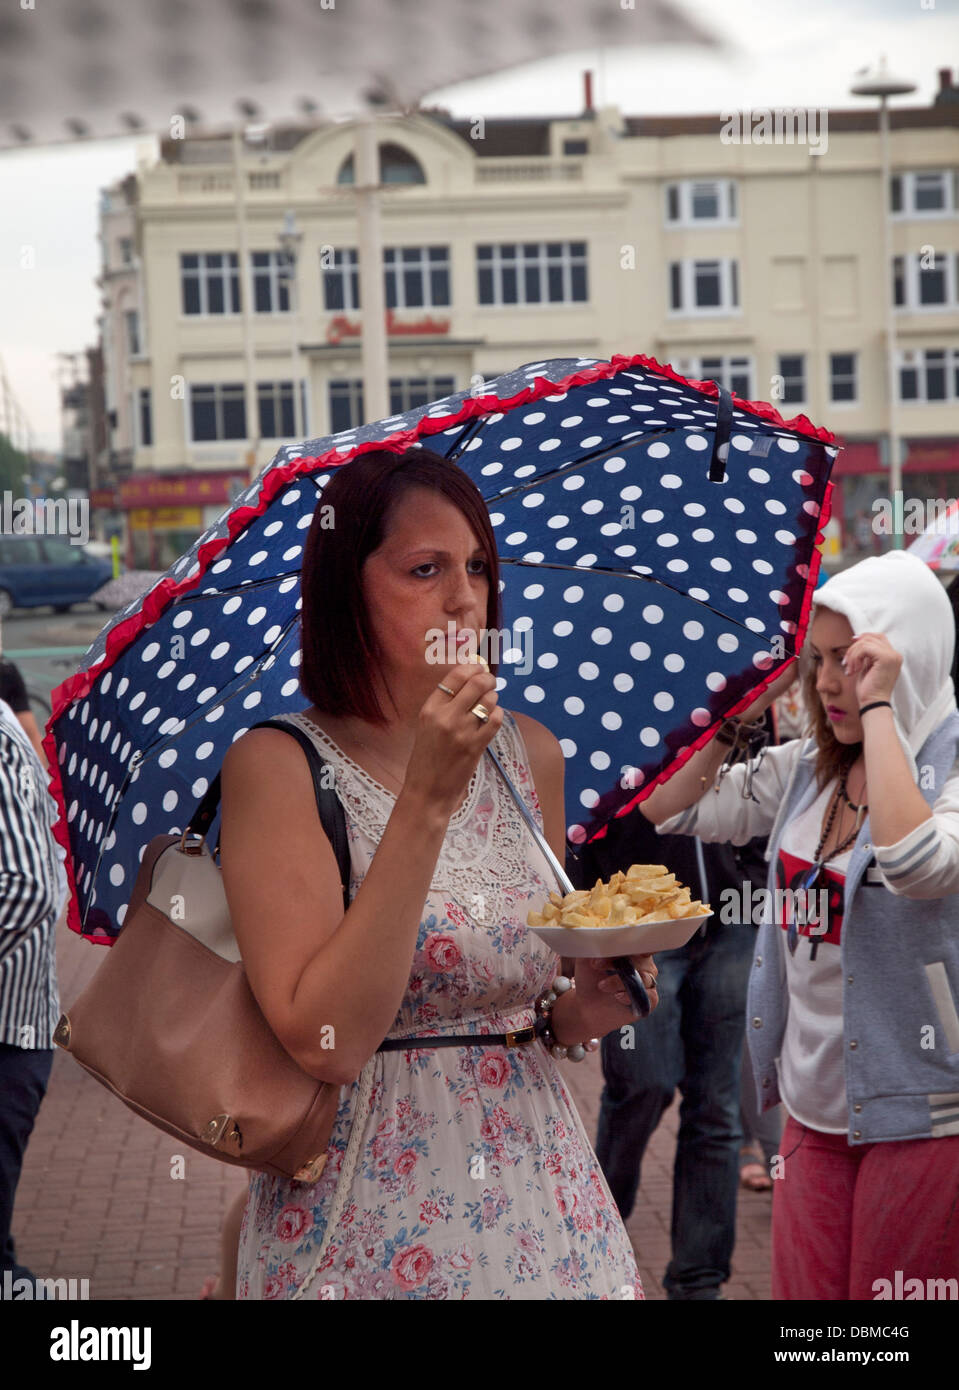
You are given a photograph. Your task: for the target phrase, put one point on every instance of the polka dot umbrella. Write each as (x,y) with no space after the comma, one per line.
(657,540)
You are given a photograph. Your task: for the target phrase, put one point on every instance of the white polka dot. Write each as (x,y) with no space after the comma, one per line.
(148,654)
(573,705)
(746,537)
(588,670)
(700,595)
(137,700)
(703,533)
(652,613)
(652,515)
(693,631)
(762,567)
(733,504)
(671,480)
(696,441)
(759,475)
(589,797)
(139,813)
(533,591)
(649,737)
(755,625)
(622,682)
(701,717)
(167,758)
(666,539)
(231,605)
(117,874)
(574,482)
(640,651)
(562,629)
(673,662)
(600,761)
(718,562)
(601,636)
(568,747)
(663,700)
(573,594)
(716,681)
(774,506)
(738,595)
(659,450)
(611,720)
(785,538)
(742,441)
(788,446)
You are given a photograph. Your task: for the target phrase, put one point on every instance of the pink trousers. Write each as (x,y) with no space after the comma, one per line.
(846,1216)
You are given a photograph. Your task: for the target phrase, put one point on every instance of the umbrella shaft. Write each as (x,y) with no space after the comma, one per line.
(561,876)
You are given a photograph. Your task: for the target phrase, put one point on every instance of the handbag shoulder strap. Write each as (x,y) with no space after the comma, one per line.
(327,802)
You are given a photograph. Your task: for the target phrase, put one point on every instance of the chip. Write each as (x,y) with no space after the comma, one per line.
(645,893)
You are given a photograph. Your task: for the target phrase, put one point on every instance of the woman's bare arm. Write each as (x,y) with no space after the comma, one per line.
(311,967)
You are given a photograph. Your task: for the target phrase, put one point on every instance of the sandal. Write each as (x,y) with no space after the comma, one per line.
(754,1178)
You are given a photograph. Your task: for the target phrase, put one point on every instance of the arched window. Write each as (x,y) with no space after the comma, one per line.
(397,165)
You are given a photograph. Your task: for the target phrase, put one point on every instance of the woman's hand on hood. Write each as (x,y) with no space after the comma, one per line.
(875,663)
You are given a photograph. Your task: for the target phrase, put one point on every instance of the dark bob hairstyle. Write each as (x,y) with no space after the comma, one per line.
(338,645)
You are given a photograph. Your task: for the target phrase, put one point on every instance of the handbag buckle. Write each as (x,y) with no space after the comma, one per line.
(216,1131)
(195,845)
(311,1170)
(61,1034)
(515,1036)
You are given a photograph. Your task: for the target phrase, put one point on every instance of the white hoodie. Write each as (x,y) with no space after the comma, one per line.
(895,594)
(899,596)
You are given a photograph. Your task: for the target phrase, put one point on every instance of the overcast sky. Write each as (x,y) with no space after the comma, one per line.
(774,53)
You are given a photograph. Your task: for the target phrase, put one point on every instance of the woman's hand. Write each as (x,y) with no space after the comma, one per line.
(601,995)
(875,663)
(779,687)
(450,739)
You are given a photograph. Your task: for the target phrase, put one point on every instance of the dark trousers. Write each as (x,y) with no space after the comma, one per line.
(693,1040)
(23,1082)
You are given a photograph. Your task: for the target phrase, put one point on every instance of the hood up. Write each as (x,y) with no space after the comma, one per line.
(898,595)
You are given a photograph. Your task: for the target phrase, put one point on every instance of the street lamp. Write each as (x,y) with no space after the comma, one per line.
(290,240)
(882,84)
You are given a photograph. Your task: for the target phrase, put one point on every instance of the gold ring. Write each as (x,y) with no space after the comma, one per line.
(441,686)
(481,712)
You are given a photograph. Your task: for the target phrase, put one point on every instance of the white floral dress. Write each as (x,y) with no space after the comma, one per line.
(475,1177)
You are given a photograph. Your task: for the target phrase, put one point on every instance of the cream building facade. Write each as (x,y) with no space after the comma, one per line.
(758,264)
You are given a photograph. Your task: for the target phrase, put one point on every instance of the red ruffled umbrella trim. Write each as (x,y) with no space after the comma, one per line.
(276,478)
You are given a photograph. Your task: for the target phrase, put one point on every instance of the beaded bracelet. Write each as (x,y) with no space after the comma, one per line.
(544,1007)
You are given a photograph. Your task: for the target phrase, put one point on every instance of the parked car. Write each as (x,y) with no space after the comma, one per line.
(36,570)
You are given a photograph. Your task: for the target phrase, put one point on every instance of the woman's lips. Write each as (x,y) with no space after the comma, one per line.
(835,713)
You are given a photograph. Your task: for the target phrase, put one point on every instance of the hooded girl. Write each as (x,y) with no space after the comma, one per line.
(853,1007)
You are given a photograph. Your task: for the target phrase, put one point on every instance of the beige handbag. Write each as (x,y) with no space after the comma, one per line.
(170,1025)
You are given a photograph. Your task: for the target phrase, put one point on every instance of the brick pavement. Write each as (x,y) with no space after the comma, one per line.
(96,1199)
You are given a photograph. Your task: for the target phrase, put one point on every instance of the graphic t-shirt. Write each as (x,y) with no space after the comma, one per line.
(811,1069)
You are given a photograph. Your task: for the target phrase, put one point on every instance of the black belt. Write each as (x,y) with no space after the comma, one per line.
(514,1038)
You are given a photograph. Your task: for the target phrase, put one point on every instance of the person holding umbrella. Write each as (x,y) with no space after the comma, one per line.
(852,1014)
(458,1166)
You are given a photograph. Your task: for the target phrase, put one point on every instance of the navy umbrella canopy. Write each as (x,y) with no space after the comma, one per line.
(658,555)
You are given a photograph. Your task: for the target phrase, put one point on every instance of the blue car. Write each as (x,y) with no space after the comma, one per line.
(36,570)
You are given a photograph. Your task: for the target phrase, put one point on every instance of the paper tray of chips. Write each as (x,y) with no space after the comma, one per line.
(642,910)
(602,942)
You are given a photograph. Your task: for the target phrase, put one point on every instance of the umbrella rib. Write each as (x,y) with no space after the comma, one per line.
(241,588)
(627,574)
(642,438)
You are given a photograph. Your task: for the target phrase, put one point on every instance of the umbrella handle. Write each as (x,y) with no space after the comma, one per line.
(635,988)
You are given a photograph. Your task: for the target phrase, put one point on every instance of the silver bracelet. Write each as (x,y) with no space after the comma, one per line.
(544,1007)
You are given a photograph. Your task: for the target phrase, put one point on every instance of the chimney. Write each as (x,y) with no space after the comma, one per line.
(588,92)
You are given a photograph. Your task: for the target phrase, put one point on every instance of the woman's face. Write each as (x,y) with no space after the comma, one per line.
(430,570)
(829,637)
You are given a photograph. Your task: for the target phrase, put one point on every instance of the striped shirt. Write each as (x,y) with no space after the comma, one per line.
(32,892)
